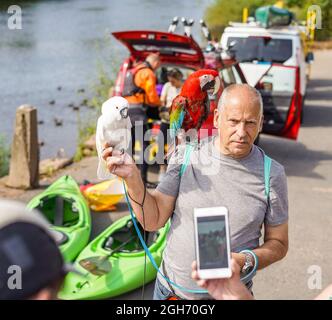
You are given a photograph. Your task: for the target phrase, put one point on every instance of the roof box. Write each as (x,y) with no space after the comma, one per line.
(271,16)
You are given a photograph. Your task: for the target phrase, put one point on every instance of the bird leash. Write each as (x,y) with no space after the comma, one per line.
(145,247)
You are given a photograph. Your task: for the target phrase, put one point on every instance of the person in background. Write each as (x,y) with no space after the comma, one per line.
(170,90)
(141,92)
(31,265)
(233,289)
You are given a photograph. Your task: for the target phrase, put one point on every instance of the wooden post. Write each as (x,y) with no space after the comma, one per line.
(24,163)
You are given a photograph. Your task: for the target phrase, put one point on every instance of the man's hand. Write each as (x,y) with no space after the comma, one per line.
(224,289)
(119,163)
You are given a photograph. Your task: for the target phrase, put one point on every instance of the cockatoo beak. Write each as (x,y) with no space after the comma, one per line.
(216,85)
(124,113)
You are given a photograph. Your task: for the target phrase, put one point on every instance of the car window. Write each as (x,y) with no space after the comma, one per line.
(263,49)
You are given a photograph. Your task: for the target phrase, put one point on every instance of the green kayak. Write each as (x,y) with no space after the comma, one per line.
(113,263)
(66,209)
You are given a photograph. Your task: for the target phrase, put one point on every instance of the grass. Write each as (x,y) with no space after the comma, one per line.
(4,157)
(85,130)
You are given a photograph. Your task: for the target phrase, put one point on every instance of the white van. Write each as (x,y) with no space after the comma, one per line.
(274,62)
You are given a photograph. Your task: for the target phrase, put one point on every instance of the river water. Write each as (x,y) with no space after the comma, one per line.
(61,44)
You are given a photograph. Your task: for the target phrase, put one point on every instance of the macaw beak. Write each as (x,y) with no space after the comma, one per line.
(216,85)
(211,84)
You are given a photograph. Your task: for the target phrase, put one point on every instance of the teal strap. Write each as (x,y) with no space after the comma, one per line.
(146,249)
(189,148)
(267,167)
(267,170)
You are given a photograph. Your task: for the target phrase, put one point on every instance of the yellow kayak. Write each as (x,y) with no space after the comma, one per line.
(105,195)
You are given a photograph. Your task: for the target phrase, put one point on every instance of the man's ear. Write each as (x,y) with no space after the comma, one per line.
(216,118)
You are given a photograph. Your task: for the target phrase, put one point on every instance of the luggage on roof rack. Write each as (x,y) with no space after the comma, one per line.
(270,16)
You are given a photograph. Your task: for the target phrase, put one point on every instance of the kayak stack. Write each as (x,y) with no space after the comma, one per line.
(67,211)
(113,263)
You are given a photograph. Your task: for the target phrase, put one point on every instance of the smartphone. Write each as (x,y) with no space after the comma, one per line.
(212,242)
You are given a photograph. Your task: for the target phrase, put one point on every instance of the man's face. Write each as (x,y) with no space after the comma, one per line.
(239,124)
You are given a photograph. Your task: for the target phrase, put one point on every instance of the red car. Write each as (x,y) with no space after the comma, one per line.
(178,51)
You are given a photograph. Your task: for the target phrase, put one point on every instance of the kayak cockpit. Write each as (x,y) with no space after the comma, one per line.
(126,239)
(59,211)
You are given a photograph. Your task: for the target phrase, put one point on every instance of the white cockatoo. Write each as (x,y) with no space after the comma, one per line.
(113,127)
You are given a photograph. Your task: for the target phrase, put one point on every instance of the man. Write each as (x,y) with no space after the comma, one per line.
(31,265)
(234,289)
(234,179)
(141,92)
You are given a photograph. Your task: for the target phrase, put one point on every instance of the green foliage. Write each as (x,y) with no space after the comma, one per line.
(86,129)
(101,89)
(301,7)
(4,157)
(221,12)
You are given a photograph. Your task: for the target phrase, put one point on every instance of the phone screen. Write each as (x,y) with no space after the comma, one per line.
(212,242)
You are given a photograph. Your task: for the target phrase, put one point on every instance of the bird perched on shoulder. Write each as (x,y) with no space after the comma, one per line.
(191,107)
(113,127)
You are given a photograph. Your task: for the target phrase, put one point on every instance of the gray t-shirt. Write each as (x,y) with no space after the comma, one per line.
(212,179)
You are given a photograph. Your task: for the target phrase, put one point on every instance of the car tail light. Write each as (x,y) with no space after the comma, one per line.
(294,115)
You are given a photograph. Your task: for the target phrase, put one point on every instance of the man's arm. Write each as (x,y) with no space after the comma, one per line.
(275,247)
(158,207)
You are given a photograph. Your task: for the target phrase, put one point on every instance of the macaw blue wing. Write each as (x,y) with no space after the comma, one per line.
(177,114)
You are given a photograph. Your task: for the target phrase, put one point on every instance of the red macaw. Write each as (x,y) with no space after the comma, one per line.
(190,108)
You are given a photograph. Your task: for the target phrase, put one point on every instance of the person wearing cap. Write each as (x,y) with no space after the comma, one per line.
(31,265)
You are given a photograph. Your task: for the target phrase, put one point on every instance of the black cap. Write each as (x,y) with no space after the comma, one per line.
(29,257)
